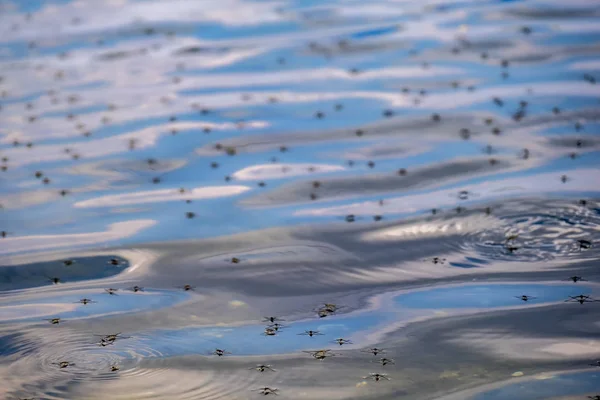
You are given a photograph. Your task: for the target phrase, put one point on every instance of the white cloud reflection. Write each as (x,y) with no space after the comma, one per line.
(162,195)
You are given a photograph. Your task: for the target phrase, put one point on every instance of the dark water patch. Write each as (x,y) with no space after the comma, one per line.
(59,271)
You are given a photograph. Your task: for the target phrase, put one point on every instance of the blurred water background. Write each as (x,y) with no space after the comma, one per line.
(394,173)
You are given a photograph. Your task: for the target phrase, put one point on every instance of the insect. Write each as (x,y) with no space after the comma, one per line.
(136,289)
(385,361)
(330,307)
(350,218)
(580,299)
(220,352)
(54,321)
(68,263)
(342,341)
(374,351)
(320,354)
(114,368)
(63,364)
(266,390)
(111,291)
(115,261)
(112,338)
(436,260)
(272,319)
(270,331)
(276,326)
(576,279)
(310,333)
(525,297)
(376,377)
(235,260)
(584,244)
(186,287)
(85,301)
(262,368)
(54,280)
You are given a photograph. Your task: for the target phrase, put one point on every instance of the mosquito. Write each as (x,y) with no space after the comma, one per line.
(111,291)
(54,321)
(114,368)
(186,287)
(220,352)
(385,361)
(272,319)
(310,333)
(85,301)
(54,280)
(113,337)
(136,289)
(376,377)
(576,279)
(266,390)
(580,299)
(262,368)
(320,354)
(63,364)
(115,261)
(269,332)
(436,260)
(342,341)
(525,297)
(277,326)
(374,351)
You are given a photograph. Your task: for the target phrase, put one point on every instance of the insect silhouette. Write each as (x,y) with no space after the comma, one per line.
(385,361)
(262,368)
(584,244)
(110,339)
(272,319)
(270,331)
(54,280)
(220,352)
(374,351)
(136,289)
(436,260)
(68,263)
(63,364)
(310,333)
(266,391)
(111,291)
(320,354)
(85,301)
(376,377)
(576,279)
(525,297)
(277,326)
(186,287)
(114,368)
(342,341)
(54,321)
(580,299)
(115,261)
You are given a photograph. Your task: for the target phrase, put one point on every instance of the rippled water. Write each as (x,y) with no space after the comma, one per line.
(421,165)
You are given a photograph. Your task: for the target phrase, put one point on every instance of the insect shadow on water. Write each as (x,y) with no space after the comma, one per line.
(377,377)
(582,298)
(262,368)
(266,390)
(310,333)
(525,297)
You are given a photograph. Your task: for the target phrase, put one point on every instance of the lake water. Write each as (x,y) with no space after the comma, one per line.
(418,177)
